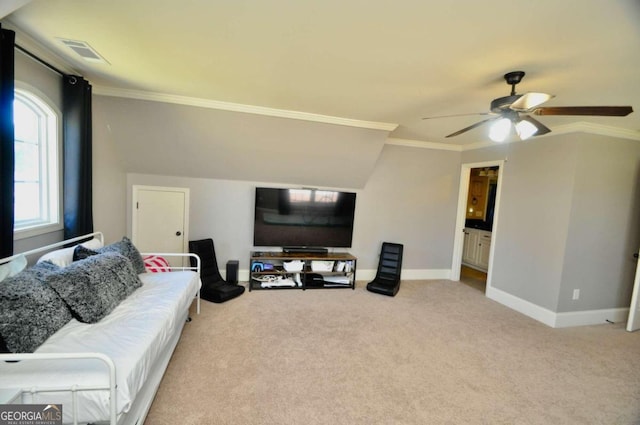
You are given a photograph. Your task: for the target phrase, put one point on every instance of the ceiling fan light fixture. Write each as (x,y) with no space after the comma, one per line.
(530,100)
(499,131)
(525,129)
(509,108)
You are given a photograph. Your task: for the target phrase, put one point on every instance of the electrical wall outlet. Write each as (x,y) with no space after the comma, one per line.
(576,294)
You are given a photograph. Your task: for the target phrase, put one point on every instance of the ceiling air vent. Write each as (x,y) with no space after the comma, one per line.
(85,51)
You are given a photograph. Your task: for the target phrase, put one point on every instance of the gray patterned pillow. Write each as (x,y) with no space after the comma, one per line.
(30,310)
(124,247)
(93,287)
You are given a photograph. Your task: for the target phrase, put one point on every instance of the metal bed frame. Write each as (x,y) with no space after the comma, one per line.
(26,395)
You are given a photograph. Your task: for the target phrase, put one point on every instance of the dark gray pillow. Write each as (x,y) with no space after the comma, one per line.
(93,287)
(30,310)
(3,345)
(124,247)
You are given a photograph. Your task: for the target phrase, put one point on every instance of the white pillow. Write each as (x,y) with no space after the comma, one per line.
(64,257)
(13,267)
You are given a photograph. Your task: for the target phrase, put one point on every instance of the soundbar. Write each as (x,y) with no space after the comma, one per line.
(305,250)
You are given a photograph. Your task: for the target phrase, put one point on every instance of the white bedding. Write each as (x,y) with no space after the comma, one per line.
(134,336)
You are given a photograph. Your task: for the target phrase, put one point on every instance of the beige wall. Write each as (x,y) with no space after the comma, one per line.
(410,199)
(604,224)
(406,195)
(569,219)
(109,181)
(179,140)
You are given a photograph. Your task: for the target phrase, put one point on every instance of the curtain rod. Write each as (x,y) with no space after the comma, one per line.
(42,61)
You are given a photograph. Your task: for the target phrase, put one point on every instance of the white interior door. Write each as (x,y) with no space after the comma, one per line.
(160,217)
(633,324)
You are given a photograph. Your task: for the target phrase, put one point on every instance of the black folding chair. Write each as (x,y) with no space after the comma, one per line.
(214,287)
(387,280)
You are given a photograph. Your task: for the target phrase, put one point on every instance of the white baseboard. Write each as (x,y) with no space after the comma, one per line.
(591,317)
(557,320)
(525,307)
(415,274)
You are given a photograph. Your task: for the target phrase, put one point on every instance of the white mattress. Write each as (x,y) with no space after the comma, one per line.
(133,335)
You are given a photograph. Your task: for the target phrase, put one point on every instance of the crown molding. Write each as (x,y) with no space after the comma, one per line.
(423,145)
(485,144)
(33,46)
(238,107)
(591,128)
(577,127)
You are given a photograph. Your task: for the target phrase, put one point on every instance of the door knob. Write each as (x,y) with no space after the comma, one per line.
(178,233)
(636,255)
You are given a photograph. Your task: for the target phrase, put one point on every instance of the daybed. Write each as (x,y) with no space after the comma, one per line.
(103,367)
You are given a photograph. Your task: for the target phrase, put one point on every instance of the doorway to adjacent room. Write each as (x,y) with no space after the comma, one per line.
(476,279)
(478,226)
(476,222)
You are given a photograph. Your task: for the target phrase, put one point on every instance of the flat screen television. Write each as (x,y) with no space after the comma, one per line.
(292,218)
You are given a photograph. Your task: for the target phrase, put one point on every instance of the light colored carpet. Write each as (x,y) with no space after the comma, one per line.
(437,353)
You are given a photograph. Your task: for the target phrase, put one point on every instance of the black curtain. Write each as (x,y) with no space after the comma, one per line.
(7,151)
(76,113)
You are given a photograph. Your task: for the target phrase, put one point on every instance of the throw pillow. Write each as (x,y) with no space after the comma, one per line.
(93,287)
(3,346)
(156,264)
(63,257)
(13,267)
(30,310)
(124,247)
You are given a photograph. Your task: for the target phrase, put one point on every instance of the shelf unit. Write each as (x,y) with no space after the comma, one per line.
(267,271)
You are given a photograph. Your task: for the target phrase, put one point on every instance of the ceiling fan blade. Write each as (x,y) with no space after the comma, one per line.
(542,129)
(530,100)
(457,115)
(471,127)
(605,111)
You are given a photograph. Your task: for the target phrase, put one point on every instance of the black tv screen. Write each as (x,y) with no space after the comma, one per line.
(303,218)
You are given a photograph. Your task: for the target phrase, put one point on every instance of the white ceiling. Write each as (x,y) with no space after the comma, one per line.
(377,61)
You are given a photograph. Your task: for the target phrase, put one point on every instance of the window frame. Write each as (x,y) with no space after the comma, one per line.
(33,97)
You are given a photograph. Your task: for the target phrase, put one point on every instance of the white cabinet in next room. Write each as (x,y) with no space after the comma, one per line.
(477,245)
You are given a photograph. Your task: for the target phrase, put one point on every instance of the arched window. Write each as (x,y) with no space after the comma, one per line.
(37,180)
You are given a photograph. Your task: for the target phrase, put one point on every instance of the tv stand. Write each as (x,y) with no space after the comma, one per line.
(301,270)
(304,250)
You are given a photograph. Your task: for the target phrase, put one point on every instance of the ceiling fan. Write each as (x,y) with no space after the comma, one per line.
(515,110)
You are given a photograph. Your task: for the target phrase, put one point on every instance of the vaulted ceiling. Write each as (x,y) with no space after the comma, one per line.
(382,63)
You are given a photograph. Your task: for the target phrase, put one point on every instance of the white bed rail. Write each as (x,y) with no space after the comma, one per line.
(9,357)
(22,392)
(52,246)
(100,236)
(183,256)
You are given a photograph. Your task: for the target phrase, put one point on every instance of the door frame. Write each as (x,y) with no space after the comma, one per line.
(633,320)
(458,241)
(134,211)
